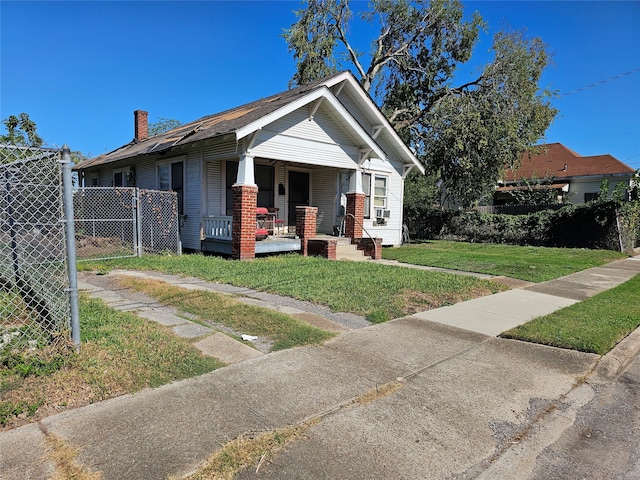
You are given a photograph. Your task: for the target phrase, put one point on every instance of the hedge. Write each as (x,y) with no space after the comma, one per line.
(590,225)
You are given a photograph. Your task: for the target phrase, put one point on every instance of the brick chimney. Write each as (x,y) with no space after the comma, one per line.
(141,126)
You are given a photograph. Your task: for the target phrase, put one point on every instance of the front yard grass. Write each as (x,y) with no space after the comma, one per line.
(533,264)
(120,353)
(378,292)
(595,325)
(284,331)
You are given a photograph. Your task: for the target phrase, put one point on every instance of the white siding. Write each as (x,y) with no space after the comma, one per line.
(296,138)
(324,190)
(578,187)
(391,233)
(215,193)
(146,174)
(190,231)
(220,150)
(280,201)
(350,105)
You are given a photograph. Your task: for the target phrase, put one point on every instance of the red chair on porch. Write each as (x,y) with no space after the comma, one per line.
(262,216)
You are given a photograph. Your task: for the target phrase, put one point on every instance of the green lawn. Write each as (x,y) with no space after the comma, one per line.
(595,325)
(120,353)
(533,264)
(379,292)
(283,330)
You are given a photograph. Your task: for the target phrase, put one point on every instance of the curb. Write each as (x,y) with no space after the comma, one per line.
(613,363)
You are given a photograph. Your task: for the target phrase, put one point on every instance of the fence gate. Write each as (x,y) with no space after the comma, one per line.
(124,222)
(34,282)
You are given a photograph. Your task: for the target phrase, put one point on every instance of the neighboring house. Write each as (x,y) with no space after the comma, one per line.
(572,175)
(323,145)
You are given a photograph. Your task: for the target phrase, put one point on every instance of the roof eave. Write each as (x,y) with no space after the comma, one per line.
(379,116)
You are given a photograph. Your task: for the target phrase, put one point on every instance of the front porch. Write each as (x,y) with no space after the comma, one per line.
(217,237)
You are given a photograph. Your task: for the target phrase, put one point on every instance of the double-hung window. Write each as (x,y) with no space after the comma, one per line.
(375,189)
(380,192)
(171,177)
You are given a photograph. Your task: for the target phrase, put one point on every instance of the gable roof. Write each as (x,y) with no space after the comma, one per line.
(561,162)
(242,121)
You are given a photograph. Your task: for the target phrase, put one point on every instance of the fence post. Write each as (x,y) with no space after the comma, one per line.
(137,218)
(70,233)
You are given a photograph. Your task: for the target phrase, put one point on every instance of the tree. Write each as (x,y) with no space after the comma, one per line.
(21,131)
(465,135)
(163,125)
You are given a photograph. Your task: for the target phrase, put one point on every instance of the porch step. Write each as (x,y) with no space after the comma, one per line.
(347,251)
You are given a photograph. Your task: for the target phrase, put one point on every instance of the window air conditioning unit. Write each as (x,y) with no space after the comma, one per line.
(382,213)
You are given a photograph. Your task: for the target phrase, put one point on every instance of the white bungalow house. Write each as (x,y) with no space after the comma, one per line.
(322,153)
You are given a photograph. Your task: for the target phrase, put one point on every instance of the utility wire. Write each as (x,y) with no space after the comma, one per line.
(601,82)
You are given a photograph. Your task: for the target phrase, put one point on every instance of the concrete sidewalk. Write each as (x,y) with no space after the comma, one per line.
(464,398)
(497,313)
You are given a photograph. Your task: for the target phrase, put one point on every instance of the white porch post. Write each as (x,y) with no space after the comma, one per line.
(246,175)
(355,182)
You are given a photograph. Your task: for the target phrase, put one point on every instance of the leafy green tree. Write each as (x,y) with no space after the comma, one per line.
(163,125)
(21,131)
(421,190)
(466,135)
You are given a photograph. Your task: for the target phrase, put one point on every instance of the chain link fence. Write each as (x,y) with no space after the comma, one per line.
(38,286)
(34,280)
(124,222)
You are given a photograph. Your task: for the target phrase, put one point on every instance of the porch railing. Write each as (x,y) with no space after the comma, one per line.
(217,226)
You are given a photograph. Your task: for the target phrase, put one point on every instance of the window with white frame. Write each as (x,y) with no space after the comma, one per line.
(380,192)
(375,191)
(366,188)
(171,177)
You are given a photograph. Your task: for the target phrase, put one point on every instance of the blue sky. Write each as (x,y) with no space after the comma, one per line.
(80,69)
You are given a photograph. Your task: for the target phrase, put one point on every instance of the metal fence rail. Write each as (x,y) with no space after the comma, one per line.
(34,282)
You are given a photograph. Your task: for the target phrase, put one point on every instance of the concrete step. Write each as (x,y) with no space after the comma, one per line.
(347,251)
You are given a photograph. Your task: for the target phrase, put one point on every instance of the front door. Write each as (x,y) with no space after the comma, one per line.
(298,193)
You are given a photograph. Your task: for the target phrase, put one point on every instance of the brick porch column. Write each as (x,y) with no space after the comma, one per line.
(355,207)
(243,243)
(306,219)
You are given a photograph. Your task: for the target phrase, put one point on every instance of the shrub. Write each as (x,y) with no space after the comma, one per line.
(591,225)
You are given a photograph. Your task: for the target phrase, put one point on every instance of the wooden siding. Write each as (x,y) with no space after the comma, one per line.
(319,141)
(324,188)
(391,233)
(220,149)
(214,201)
(280,201)
(350,105)
(190,229)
